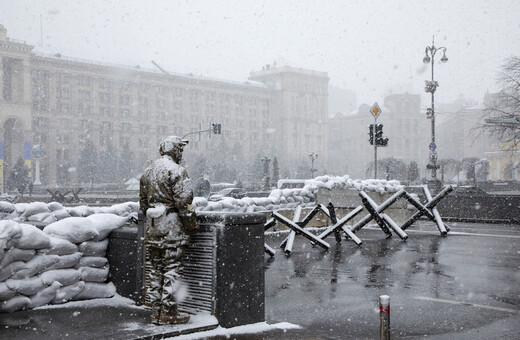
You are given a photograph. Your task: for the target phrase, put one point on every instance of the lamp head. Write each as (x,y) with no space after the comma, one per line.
(444,58)
(426,59)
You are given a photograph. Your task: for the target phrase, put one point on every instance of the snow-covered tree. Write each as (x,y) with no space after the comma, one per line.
(18,177)
(503,110)
(87,163)
(276,171)
(413,172)
(126,163)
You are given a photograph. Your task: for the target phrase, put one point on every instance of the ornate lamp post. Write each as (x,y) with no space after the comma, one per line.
(430,87)
(313,156)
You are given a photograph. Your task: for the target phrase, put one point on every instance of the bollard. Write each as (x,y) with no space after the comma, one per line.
(384,317)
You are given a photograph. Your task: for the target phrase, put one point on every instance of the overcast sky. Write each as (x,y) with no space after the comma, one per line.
(371,47)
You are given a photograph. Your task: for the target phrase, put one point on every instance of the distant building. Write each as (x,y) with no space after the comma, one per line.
(403,124)
(60,103)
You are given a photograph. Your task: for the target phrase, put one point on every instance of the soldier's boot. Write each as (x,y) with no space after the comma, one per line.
(169,317)
(156,314)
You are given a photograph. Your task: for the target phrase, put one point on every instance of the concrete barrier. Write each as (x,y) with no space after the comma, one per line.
(490,208)
(224,266)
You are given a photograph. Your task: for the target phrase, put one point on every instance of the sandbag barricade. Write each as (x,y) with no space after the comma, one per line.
(63,262)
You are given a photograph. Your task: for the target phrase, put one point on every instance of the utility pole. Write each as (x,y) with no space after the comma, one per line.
(431,87)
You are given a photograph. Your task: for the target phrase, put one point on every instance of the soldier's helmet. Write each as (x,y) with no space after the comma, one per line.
(172,146)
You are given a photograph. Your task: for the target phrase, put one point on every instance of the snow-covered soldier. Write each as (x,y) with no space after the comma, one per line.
(165,197)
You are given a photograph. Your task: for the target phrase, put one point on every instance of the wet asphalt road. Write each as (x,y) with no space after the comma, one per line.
(464,286)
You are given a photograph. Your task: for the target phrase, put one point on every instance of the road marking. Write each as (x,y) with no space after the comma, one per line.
(455,233)
(475,234)
(453,302)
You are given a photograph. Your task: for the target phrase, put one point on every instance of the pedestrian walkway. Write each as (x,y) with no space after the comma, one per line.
(115,318)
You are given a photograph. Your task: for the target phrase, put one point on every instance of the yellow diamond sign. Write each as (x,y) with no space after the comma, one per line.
(375,110)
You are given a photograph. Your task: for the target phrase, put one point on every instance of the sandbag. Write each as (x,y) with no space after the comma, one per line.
(81,211)
(15,254)
(5,292)
(92,248)
(66,261)
(35,266)
(10,233)
(35,208)
(65,277)
(94,290)
(6,207)
(105,223)
(90,274)
(11,269)
(73,229)
(45,296)
(54,206)
(66,293)
(91,261)
(20,207)
(49,219)
(59,246)
(28,286)
(121,209)
(32,238)
(14,304)
(61,214)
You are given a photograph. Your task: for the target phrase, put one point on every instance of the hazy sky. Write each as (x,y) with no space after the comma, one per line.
(371,47)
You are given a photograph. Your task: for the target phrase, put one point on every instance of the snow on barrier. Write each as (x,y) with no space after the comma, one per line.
(292,198)
(65,261)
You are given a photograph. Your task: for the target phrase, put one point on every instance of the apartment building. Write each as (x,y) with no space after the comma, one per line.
(61,104)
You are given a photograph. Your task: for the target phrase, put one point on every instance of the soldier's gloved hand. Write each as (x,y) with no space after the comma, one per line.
(188,220)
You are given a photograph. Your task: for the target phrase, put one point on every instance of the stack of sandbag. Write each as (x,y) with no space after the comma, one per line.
(46,213)
(66,261)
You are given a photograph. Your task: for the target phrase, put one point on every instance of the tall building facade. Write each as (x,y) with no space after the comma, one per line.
(62,105)
(301,102)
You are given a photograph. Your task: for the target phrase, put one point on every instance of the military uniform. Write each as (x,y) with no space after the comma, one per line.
(165,197)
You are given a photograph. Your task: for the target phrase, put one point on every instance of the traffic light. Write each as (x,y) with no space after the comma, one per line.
(429,113)
(371,134)
(216,128)
(379,139)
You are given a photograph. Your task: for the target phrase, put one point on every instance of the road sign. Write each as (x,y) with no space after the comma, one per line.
(432,146)
(375,110)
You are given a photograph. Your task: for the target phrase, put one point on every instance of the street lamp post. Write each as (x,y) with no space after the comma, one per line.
(313,157)
(431,86)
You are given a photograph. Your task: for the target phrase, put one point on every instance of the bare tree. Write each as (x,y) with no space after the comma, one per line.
(502,121)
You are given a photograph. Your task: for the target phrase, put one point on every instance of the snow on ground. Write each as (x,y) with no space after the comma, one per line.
(245,329)
(115,301)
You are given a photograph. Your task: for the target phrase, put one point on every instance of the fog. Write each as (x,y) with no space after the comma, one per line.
(373,48)
(364,52)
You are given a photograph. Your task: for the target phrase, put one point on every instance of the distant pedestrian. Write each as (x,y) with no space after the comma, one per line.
(202,186)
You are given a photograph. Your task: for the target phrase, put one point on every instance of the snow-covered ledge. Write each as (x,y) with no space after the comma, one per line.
(306,196)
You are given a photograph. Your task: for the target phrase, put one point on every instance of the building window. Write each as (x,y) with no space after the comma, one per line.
(62,93)
(161,103)
(124,100)
(104,83)
(104,97)
(83,81)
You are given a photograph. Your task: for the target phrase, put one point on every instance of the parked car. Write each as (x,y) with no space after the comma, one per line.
(469,191)
(228,192)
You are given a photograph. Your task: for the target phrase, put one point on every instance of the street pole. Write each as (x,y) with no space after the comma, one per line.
(375,147)
(431,87)
(375,110)
(313,157)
